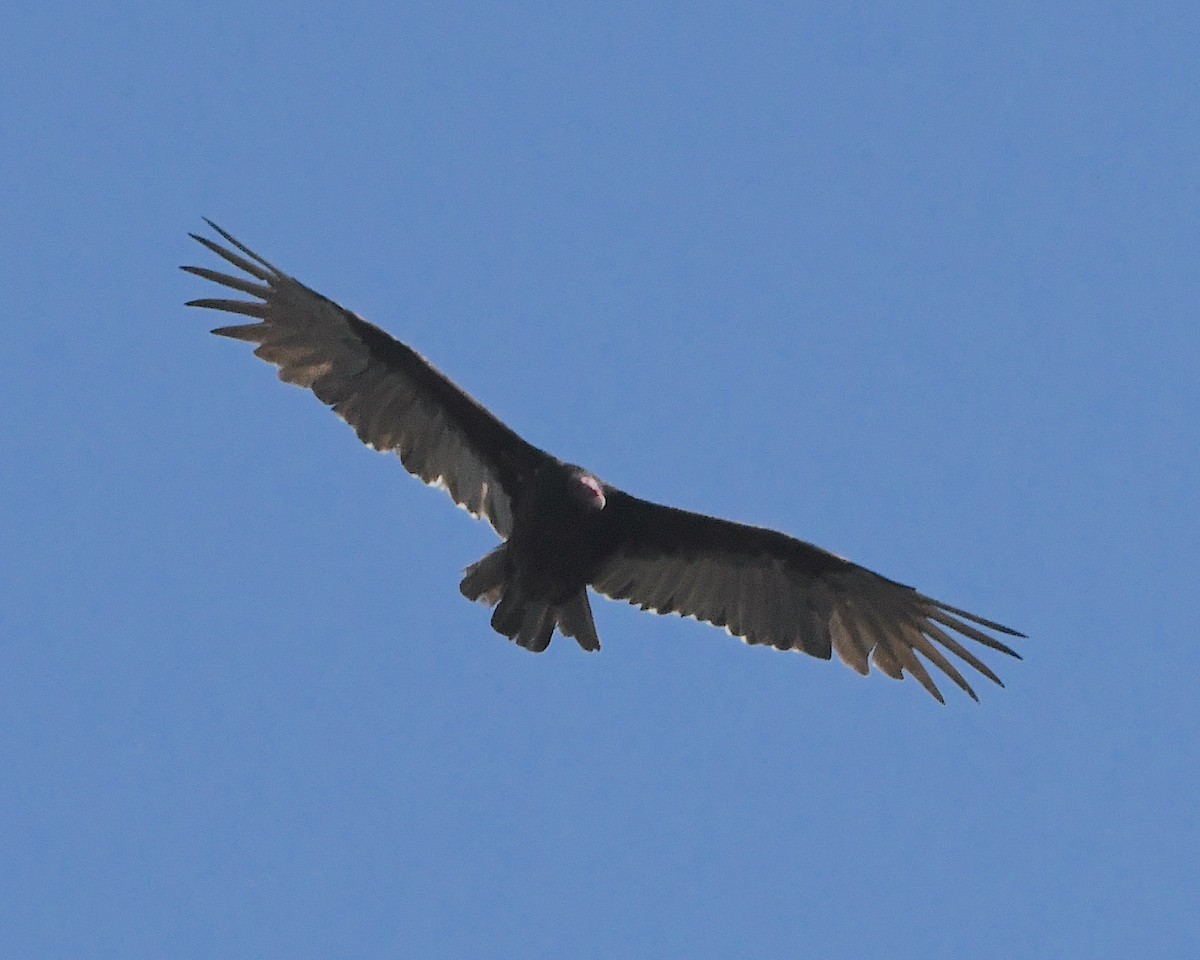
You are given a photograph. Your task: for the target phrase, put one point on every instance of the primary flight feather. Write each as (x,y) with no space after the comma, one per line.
(564,529)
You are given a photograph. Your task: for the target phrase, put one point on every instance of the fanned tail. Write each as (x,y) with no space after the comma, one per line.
(530,623)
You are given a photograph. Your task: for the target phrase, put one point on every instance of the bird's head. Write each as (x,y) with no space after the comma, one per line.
(587,490)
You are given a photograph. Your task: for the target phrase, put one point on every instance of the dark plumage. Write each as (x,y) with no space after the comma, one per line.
(564,529)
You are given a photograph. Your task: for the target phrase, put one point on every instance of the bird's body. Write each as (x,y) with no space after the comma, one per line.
(564,530)
(557,535)
(549,559)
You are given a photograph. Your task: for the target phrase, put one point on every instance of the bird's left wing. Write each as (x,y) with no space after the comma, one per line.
(769,588)
(394,398)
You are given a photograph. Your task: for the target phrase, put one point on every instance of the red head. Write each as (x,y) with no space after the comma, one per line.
(588,490)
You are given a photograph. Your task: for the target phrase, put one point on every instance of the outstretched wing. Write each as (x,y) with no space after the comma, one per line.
(392,396)
(769,588)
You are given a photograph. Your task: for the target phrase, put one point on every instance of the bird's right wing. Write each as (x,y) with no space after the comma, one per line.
(392,396)
(769,588)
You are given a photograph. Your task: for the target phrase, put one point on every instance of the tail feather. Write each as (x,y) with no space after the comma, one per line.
(507,617)
(537,627)
(484,581)
(575,620)
(528,622)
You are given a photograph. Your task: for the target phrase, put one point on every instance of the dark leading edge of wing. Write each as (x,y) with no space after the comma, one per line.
(393,397)
(771,589)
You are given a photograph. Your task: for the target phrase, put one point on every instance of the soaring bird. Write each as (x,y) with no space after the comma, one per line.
(564,529)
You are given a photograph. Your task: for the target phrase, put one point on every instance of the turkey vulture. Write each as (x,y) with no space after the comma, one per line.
(565,530)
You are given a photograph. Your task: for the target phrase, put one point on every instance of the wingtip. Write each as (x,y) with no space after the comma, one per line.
(250,332)
(230,238)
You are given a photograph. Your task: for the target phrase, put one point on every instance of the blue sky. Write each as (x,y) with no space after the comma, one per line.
(917,282)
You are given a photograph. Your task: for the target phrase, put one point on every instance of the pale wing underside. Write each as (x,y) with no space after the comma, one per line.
(394,398)
(793,596)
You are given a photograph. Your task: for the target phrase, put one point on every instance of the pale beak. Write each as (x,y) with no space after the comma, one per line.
(597,491)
